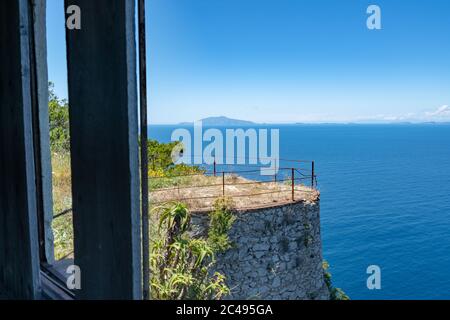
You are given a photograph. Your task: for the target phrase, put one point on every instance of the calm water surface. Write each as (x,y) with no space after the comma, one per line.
(385,200)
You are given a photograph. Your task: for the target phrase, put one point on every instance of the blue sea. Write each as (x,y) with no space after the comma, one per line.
(385,201)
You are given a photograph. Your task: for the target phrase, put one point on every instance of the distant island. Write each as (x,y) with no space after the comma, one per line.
(221,121)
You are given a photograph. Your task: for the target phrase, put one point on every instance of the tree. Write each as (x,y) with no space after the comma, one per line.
(58,110)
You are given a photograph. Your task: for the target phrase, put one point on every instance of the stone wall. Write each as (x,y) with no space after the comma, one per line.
(277,253)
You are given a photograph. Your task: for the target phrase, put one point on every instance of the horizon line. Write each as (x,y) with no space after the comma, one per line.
(313,123)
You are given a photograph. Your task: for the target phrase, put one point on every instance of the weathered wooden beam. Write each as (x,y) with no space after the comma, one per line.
(19,253)
(41,130)
(104,149)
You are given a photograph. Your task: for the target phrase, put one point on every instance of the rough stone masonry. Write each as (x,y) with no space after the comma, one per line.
(277,253)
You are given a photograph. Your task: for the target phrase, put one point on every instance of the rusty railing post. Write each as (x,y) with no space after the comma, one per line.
(223,183)
(275,172)
(312,174)
(293,184)
(215,167)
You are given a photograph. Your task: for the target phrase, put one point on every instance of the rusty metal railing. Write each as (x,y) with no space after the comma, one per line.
(296,176)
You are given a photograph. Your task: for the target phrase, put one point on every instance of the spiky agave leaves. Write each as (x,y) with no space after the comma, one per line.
(176,217)
(181,265)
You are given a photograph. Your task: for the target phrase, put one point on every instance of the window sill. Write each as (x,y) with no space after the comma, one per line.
(53,281)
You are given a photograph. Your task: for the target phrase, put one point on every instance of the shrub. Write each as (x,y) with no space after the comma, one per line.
(161,165)
(221,221)
(181,266)
(335,293)
(160,154)
(58,110)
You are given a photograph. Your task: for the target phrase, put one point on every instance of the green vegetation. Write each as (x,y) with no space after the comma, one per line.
(59,122)
(181,265)
(222,219)
(160,155)
(62,185)
(163,170)
(63,237)
(335,293)
(62,200)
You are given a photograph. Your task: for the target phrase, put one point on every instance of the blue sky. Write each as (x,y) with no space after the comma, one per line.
(289,60)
